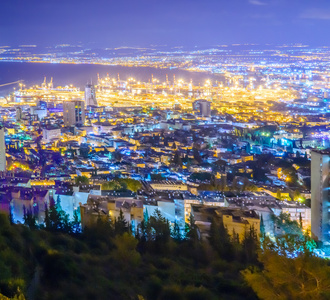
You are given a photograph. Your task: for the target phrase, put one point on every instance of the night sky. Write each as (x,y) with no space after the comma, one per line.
(169,22)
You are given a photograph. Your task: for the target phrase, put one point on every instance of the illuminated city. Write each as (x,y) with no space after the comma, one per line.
(147,161)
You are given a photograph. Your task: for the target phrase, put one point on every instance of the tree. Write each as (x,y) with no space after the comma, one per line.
(125,252)
(29,218)
(65,224)
(251,187)
(191,230)
(307,202)
(143,234)
(47,221)
(112,185)
(76,226)
(176,234)
(220,239)
(237,247)
(161,232)
(177,159)
(55,218)
(250,245)
(287,226)
(291,175)
(297,196)
(304,277)
(154,233)
(131,184)
(54,215)
(11,215)
(291,241)
(121,225)
(18,296)
(81,180)
(262,226)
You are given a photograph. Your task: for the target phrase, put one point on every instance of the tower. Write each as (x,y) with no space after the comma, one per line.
(90,95)
(190,86)
(320,168)
(203,106)
(2,150)
(73,113)
(19,114)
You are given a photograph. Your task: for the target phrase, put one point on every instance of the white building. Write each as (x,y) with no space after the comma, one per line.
(320,169)
(50,133)
(282,134)
(40,112)
(90,95)
(2,150)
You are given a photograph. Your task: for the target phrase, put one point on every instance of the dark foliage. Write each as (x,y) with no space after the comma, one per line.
(106,261)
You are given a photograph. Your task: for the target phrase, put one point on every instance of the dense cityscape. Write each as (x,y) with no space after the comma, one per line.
(237,150)
(163,151)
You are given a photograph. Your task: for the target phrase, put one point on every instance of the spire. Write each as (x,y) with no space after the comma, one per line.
(146,215)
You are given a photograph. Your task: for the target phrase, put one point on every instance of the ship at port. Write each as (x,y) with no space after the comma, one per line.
(45,92)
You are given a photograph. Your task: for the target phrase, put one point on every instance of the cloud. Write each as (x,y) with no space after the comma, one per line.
(257,2)
(316,14)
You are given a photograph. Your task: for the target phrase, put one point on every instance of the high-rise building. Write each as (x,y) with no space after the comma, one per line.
(2,150)
(19,114)
(90,95)
(320,194)
(73,113)
(203,106)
